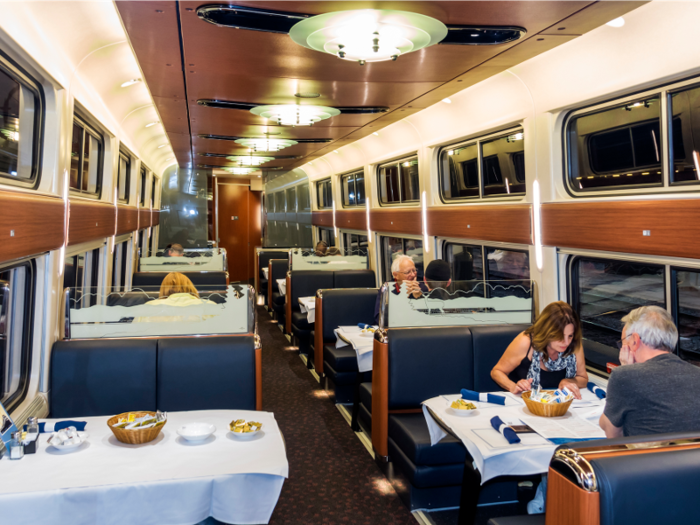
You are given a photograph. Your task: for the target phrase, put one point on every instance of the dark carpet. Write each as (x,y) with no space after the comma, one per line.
(332,478)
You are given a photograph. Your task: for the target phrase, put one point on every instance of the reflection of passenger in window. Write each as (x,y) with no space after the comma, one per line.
(510,264)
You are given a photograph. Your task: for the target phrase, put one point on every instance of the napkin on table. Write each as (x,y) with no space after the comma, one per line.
(504,429)
(486,398)
(60,425)
(597,390)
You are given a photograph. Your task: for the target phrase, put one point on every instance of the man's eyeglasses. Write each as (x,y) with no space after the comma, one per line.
(620,343)
(409,272)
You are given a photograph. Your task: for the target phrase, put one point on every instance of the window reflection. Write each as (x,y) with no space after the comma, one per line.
(324,191)
(123,177)
(353,189)
(291,198)
(466,262)
(410,190)
(86,160)
(686,127)
(398,181)
(688,311)
(503,165)
(460,172)
(389,184)
(355,244)
(392,247)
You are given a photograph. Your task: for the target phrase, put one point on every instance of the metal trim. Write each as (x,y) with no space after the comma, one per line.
(580,466)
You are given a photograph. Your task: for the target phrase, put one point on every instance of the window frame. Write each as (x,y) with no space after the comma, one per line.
(397,163)
(99,136)
(672,292)
(322,184)
(15,71)
(342,179)
(664,93)
(143,178)
(477,141)
(127,185)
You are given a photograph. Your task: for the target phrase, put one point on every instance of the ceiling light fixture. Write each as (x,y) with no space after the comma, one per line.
(293,115)
(249,160)
(162,146)
(131,82)
(375,134)
(618,22)
(368,35)
(307,95)
(152,123)
(447,101)
(266,144)
(240,171)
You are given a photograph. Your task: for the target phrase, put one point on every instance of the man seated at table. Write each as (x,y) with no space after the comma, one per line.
(402,269)
(175,250)
(437,277)
(654,391)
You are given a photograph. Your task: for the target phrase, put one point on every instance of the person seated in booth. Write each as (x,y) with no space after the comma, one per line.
(174,250)
(654,391)
(549,354)
(332,250)
(321,248)
(402,269)
(437,276)
(177,290)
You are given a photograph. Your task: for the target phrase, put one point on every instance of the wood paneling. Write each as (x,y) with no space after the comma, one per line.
(503,223)
(380,398)
(567,503)
(239,228)
(351,219)
(618,226)
(90,220)
(29,224)
(322,218)
(155,217)
(408,221)
(127,219)
(254,229)
(144,218)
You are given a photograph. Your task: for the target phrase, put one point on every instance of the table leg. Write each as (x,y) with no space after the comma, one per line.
(471,487)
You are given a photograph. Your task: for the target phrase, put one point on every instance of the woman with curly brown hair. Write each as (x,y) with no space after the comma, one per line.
(549,354)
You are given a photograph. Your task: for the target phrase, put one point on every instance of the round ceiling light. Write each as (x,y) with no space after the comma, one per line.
(266,144)
(293,115)
(249,160)
(240,171)
(368,35)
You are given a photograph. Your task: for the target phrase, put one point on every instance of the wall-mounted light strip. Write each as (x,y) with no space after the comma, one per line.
(426,244)
(369,229)
(537,224)
(335,228)
(66,218)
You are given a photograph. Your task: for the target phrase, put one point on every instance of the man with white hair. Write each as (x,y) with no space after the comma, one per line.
(655,391)
(402,269)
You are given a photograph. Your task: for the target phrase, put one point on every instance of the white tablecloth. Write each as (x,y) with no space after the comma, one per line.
(265,272)
(363,345)
(492,454)
(282,284)
(167,481)
(308,307)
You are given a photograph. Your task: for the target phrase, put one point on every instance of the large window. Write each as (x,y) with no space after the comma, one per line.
(467,263)
(143,175)
(398,181)
(392,247)
(16,307)
(291,198)
(483,167)
(21,115)
(324,194)
(82,275)
(303,197)
(120,266)
(123,177)
(355,244)
(86,159)
(687,311)
(353,189)
(327,235)
(685,153)
(153,191)
(279,202)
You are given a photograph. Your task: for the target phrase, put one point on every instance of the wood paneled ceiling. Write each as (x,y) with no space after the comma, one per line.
(185,59)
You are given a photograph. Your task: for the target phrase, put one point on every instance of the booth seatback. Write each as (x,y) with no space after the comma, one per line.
(203,281)
(277,270)
(304,283)
(490,342)
(131,298)
(265,257)
(354,279)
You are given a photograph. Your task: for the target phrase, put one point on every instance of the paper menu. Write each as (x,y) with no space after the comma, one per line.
(565,427)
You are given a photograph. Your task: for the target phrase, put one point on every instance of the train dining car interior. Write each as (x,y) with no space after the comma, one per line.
(428,262)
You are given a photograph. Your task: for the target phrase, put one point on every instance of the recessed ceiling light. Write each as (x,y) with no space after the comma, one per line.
(162,146)
(618,22)
(152,123)
(307,95)
(368,35)
(249,160)
(375,133)
(240,171)
(293,115)
(447,101)
(131,82)
(335,151)
(266,144)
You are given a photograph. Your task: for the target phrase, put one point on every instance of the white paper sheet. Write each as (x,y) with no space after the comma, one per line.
(567,426)
(308,307)
(363,345)
(282,284)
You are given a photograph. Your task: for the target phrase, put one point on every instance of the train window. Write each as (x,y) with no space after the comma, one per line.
(86,159)
(20,127)
(143,174)
(467,263)
(398,181)
(153,191)
(619,146)
(353,189)
(279,202)
(605,290)
(123,176)
(324,193)
(81,273)
(687,312)
(291,198)
(327,235)
(392,247)
(507,264)
(120,266)
(355,244)
(492,165)
(16,298)
(685,153)
(303,198)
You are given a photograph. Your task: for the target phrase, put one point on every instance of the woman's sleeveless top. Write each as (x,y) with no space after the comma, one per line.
(549,380)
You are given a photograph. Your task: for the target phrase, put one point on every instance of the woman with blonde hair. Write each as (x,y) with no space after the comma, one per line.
(177,290)
(548,354)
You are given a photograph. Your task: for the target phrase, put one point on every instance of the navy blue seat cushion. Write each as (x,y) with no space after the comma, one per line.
(347,308)
(355,279)
(207,281)
(490,342)
(265,257)
(301,321)
(410,433)
(263,285)
(428,362)
(306,283)
(278,270)
(340,359)
(206,373)
(366,395)
(131,298)
(102,377)
(426,476)
(277,299)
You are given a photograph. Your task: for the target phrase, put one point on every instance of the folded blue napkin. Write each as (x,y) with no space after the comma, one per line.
(60,425)
(486,398)
(504,429)
(597,390)
(363,325)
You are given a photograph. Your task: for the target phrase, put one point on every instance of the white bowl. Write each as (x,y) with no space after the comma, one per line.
(196,431)
(246,435)
(72,446)
(463,413)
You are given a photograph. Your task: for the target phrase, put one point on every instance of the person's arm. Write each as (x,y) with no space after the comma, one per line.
(509,361)
(611,431)
(580,380)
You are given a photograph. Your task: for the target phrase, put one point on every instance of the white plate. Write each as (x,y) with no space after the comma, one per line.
(71,446)
(463,413)
(196,431)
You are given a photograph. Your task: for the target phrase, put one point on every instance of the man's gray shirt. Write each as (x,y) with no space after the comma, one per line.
(658,396)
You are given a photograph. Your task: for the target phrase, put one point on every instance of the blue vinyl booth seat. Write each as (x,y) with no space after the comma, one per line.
(263,260)
(203,281)
(104,377)
(423,363)
(277,270)
(136,298)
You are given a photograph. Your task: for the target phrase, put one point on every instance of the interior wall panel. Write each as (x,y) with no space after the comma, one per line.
(90,220)
(127,219)
(502,223)
(155,217)
(322,218)
(351,219)
(144,219)
(408,221)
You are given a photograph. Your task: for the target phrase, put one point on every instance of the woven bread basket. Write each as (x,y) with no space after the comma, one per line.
(546,409)
(135,436)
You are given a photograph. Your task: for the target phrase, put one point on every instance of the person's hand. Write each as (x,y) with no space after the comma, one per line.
(626,357)
(572,386)
(413,288)
(524,385)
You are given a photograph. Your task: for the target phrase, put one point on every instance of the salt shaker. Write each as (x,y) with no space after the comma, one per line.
(32,425)
(16,446)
